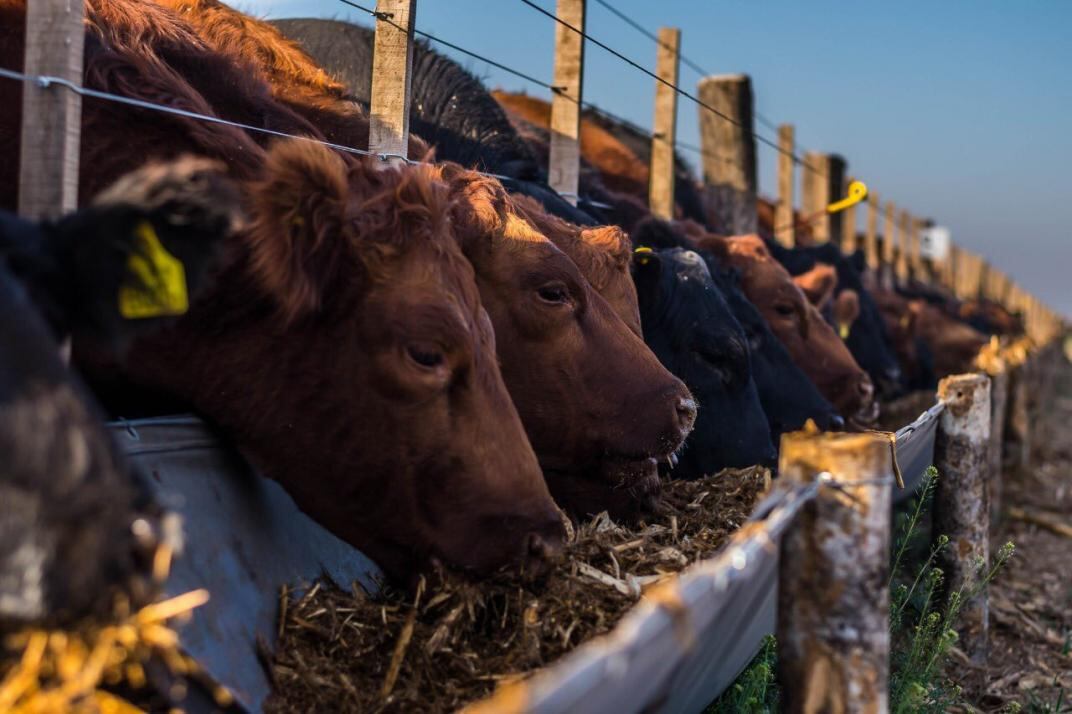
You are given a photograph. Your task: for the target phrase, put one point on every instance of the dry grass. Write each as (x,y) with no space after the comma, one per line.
(452,641)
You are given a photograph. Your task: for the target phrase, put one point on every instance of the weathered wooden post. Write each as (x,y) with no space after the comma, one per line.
(871,238)
(836,185)
(999,398)
(664,125)
(833,595)
(902,247)
(51,115)
(392,73)
(729,158)
(848,226)
(888,240)
(784,224)
(961,507)
(815,196)
(915,257)
(564,170)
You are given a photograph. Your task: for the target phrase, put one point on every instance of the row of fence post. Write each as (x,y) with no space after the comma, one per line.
(48,183)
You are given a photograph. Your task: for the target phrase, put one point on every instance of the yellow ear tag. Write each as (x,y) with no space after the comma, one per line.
(843,330)
(857,193)
(155,283)
(643,253)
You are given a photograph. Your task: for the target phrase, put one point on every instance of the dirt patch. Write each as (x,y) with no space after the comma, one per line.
(452,641)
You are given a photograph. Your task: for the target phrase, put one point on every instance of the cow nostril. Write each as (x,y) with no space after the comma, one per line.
(686,412)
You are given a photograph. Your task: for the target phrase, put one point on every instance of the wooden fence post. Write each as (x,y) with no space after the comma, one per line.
(392,75)
(51,116)
(888,240)
(784,223)
(902,247)
(961,510)
(999,398)
(564,170)
(848,226)
(833,594)
(836,167)
(664,126)
(871,238)
(729,157)
(915,258)
(815,195)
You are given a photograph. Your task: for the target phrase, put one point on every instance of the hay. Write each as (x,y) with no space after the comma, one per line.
(452,641)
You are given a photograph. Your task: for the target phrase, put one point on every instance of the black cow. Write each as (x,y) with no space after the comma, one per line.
(867,339)
(788,397)
(76,525)
(689,326)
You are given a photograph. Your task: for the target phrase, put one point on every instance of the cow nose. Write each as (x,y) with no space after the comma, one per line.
(542,546)
(865,388)
(686,414)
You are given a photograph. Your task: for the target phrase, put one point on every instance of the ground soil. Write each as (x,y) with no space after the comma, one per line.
(1030,664)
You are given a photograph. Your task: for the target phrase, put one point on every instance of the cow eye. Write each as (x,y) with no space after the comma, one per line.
(556,293)
(785,309)
(425,355)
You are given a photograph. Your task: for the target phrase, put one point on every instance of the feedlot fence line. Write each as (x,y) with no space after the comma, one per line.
(386,17)
(677,652)
(46,81)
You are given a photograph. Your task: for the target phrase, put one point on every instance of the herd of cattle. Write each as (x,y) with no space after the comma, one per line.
(431,361)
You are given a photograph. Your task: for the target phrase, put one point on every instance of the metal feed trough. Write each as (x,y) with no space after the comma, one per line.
(246,539)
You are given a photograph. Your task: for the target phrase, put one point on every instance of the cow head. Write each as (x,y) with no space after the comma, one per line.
(812,343)
(598,407)
(953,344)
(788,397)
(689,326)
(346,349)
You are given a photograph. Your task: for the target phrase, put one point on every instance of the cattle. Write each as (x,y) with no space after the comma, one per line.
(788,396)
(913,354)
(600,410)
(77,528)
(952,344)
(689,326)
(812,343)
(380,407)
(866,336)
(575,415)
(343,344)
(990,318)
(686,317)
(619,151)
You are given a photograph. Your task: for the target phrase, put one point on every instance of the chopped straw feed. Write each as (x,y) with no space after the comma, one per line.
(450,642)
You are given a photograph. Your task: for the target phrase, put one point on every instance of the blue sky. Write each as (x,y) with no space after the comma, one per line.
(959,110)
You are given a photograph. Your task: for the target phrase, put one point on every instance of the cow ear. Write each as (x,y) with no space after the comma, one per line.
(138,255)
(647,266)
(716,245)
(818,284)
(613,241)
(299,209)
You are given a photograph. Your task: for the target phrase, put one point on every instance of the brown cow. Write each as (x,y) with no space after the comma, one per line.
(346,350)
(599,408)
(953,344)
(575,382)
(814,346)
(343,346)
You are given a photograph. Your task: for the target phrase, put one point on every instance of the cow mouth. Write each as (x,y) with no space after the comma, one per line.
(865,418)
